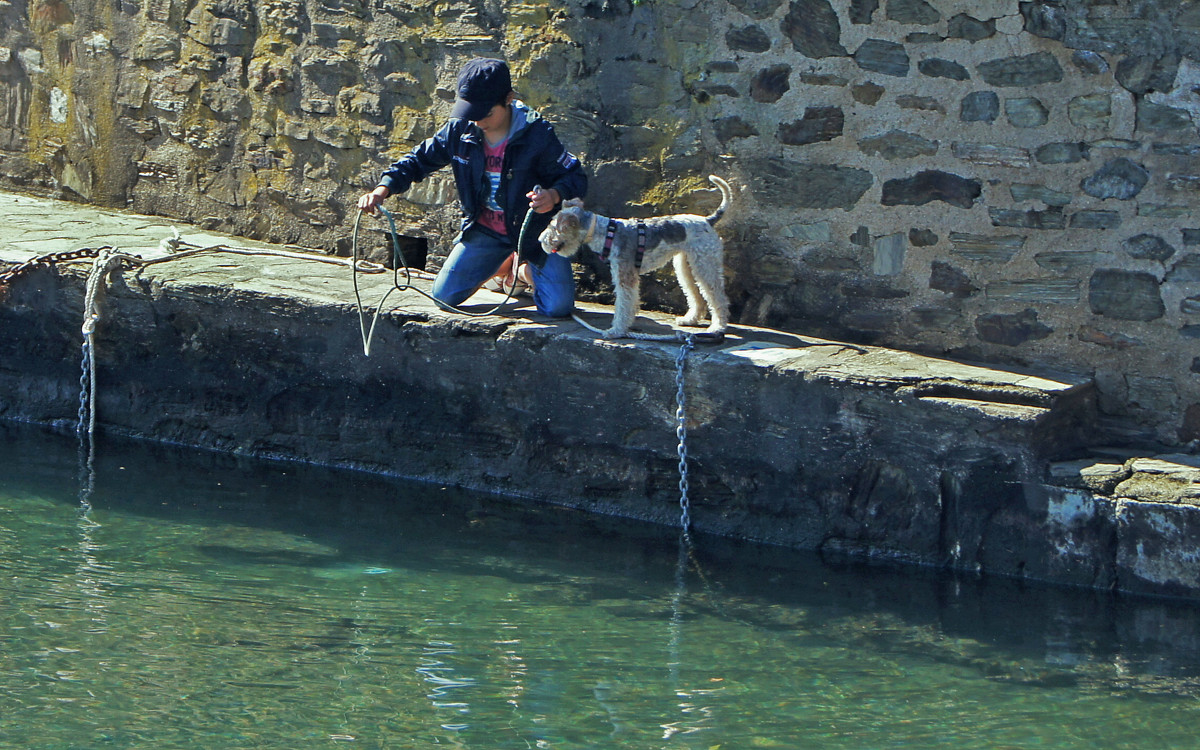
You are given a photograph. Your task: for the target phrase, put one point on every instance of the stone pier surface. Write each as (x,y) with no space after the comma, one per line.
(792,440)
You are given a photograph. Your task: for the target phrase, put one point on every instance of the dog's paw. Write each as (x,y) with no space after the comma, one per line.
(688,320)
(614,333)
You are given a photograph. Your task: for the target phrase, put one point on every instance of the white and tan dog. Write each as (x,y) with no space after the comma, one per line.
(633,247)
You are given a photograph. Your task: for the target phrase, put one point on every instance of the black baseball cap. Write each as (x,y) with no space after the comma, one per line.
(482,84)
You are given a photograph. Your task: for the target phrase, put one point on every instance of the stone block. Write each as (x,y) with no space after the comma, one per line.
(1048,291)
(1161,118)
(980,106)
(1011,330)
(1156,546)
(889,254)
(926,103)
(1186,270)
(781,182)
(1051,218)
(882,56)
(1025,192)
(818,124)
(867,93)
(1022,70)
(1107,339)
(991,155)
(935,67)
(1089,62)
(946,278)
(750,38)
(916,12)
(1026,112)
(1125,295)
(922,237)
(1062,153)
(931,185)
(1095,219)
(898,144)
(813,28)
(728,128)
(1148,247)
(861,11)
(986,248)
(1093,111)
(769,84)
(1072,262)
(1119,178)
(971,29)
(757,9)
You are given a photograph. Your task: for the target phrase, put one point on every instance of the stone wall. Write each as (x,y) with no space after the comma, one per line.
(1006,181)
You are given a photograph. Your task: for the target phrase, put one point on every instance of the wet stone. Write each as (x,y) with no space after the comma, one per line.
(813,28)
(728,128)
(1190,306)
(1119,178)
(935,67)
(1160,118)
(1095,219)
(818,124)
(1163,211)
(922,237)
(1190,332)
(980,106)
(1046,20)
(1191,237)
(769,84)
(1051,218)
(931,185)
(861,11)
(912,12)
(946,278)
(1186,270)
(898,144)
(1062,153)
(1011,330)
(1022,192)
(1067,261)
(1022,70)
(880,56)
(1125,295)
(1092,111)
(922,37)
(750,38)
(1089,62)
(986,248)
(963,26)
(988,155)
(1148,247)
(867,93)
(1026,112)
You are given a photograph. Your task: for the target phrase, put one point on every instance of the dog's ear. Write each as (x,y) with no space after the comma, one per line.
(573,203)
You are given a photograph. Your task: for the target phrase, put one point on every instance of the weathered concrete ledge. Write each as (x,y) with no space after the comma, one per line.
(792,440)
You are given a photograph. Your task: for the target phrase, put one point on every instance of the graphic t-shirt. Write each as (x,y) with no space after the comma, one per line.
(492,214)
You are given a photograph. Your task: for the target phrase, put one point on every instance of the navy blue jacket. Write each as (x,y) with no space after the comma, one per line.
(534,156)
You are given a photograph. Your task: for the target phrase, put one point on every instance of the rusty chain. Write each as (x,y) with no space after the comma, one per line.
(9,275)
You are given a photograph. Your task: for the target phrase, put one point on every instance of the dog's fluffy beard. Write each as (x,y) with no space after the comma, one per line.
(686,240)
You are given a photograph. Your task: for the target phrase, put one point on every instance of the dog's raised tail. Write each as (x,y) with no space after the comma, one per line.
(726,199)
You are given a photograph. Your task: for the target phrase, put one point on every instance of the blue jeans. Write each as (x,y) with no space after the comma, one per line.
(476,257)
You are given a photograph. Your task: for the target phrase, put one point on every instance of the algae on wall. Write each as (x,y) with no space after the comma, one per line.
(1006,181)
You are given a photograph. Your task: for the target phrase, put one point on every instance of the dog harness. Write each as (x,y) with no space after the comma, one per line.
(611,234)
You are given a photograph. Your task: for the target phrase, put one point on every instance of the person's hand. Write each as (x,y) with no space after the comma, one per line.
(542,201)
(370,201)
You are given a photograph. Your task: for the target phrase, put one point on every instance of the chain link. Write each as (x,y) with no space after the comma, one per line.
(685,517)
(10,275)
(81,425)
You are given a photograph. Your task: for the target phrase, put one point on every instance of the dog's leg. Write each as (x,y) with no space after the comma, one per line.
(710,277)
(696,306)
(625,283)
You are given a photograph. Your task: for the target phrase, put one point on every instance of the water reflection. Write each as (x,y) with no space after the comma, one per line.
(267,605)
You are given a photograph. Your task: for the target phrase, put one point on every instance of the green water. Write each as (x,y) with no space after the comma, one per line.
(206,602)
